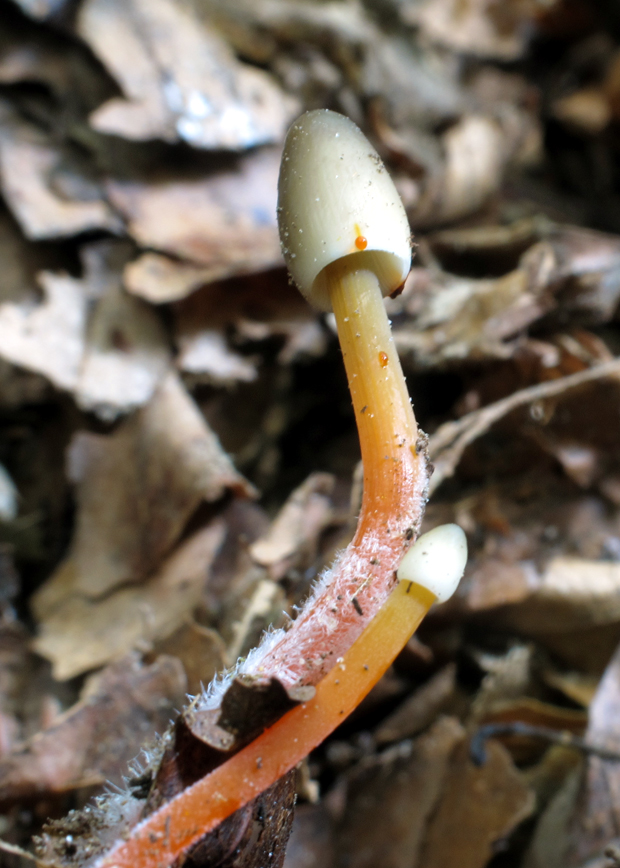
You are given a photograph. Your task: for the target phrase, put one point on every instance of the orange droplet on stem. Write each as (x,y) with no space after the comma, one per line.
(361,243)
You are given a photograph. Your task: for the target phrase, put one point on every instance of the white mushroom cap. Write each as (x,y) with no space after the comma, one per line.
(436,561)
(334,189)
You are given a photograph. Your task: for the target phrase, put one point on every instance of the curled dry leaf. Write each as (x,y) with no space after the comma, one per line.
(124,530)
(77,633)
(218,225)
(27,164)
(183,83)
(584,265)
(469,318)
(449,442)
(120,709)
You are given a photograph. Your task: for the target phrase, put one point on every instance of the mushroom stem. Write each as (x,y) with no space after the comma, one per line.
(169,832)
(387,428)
(395,482)
(356,621)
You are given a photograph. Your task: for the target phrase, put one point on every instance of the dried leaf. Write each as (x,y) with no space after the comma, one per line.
(120,708)
(258,608)
(125,528)
(8,496)
(40,9)
(51,58)
(468,318)
(449,442)
(586,110)
(159,279)
(480,807)
(392,798)
(224,223)
(126,352)
(49,338)
(577,686)
(200,650)
(27,163)
(421,708)
(21,261)
(77,633)
(480,27)
(572,593)
(252,310)
(477,151)
(550,841)
(183,82)
(206,354)
(295,531)
(311,841)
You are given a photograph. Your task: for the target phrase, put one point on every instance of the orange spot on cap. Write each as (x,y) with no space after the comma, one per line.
(361,243)
(383,359)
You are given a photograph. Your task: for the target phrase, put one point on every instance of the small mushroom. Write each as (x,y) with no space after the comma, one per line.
(345,238)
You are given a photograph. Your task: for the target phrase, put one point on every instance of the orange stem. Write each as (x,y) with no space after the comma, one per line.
(395,483)
(169,832)
(356,623)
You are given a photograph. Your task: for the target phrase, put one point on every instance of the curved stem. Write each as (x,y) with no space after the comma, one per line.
(355,623)
(395,484)
(169,832)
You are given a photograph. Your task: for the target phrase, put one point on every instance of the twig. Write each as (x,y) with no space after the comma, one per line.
(448,443)
(477,746)
(14,850)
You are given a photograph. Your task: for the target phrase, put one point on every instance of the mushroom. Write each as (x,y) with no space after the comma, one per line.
(345,238)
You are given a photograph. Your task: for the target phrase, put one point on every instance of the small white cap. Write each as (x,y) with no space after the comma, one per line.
(436,561)
(334,190)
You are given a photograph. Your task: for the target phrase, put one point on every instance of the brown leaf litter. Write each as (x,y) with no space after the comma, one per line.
(216,226)
(27,165)
(184,82)
(87,335)
(146,326)
(153,456)
(119,710)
